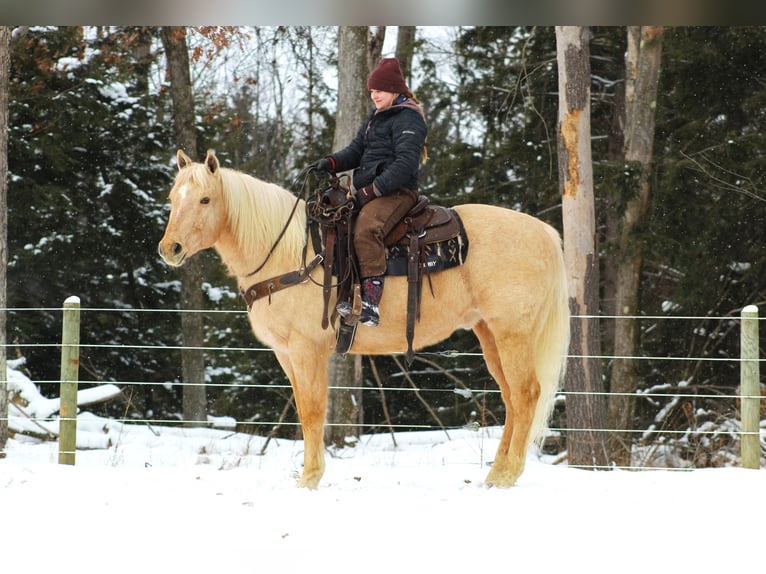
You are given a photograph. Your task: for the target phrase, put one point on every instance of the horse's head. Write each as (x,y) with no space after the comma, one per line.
(196,209)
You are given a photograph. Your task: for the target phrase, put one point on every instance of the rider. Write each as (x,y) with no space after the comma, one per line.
(385,156)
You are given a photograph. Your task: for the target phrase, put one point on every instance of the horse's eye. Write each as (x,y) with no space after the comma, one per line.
(204,200)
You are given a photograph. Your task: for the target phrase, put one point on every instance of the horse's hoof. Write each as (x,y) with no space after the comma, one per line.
(500,481)
(311,484)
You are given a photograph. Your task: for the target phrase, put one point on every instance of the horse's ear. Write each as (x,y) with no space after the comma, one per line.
(211,161)
(182,159)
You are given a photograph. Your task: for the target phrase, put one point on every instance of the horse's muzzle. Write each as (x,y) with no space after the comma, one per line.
(174,254)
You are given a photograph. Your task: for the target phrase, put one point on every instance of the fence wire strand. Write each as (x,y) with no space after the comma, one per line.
(675,392)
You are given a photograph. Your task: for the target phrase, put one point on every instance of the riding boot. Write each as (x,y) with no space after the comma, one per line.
(372,290)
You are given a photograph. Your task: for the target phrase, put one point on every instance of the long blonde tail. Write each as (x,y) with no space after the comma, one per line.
(552,345)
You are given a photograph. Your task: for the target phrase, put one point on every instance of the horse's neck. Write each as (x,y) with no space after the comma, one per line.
(243,265)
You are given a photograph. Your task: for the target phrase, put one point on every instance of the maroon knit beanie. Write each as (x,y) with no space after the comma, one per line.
(387,77)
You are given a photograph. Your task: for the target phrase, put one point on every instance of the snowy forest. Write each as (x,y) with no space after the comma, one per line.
(91,149)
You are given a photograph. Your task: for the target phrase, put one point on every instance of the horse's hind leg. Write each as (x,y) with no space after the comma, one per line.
(510,361)
(494,365)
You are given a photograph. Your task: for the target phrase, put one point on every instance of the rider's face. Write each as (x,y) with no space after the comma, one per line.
(382,100)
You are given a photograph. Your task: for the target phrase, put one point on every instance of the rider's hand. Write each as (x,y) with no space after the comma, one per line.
(324,165)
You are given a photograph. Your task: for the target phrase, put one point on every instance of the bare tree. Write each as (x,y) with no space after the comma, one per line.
(405,47)
(375,48)
(192,358)
(344,404)
(642,65)
(358,52)
(5,65)
(585,412)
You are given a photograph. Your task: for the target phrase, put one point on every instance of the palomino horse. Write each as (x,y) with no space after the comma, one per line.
(511,291)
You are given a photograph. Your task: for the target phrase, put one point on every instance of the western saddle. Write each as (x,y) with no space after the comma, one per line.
(429,237)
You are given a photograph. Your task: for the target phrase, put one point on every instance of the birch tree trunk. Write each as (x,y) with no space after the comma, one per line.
(344,404)
(585,405)
(192,358)
(642,64)
(5,66)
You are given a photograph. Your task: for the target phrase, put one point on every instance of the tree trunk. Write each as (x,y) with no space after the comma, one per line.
(192,358)
(5,65)
(585,411)
(405,48)
(344,406)
(374,48)
(609,198)
(642,75)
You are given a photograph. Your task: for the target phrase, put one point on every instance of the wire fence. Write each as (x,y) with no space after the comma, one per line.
(675,394)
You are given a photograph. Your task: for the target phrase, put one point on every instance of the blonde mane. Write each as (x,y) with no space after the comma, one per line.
(256,213)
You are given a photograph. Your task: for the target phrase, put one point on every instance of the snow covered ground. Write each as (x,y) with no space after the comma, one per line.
(163,499)
(182,501)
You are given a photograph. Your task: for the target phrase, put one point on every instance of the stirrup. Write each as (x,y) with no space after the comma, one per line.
(344,309)
(370,316)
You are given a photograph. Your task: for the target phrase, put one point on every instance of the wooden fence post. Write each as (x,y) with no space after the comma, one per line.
(70,363)
(750,389)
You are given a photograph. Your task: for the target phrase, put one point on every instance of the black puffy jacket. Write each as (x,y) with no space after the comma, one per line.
(386,149)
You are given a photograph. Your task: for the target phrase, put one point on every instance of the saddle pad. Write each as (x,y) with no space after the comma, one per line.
(438,256)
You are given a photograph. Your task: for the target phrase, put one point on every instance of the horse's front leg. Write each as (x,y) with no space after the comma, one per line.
(308,376)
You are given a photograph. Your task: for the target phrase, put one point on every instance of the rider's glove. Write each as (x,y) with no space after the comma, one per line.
(324,165)
(366,194)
